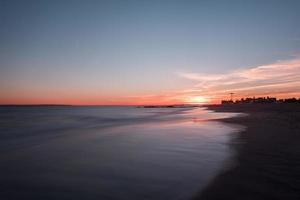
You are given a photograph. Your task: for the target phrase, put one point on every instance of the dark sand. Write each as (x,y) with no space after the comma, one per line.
(267,160)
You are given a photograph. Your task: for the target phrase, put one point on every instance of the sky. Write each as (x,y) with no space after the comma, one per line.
(147,52)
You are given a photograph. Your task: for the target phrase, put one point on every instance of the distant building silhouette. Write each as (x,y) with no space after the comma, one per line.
(261,100)
(227,102)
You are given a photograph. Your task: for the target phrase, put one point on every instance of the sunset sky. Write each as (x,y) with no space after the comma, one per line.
(147,52)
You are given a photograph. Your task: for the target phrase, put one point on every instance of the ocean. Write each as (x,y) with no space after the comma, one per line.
(110,152)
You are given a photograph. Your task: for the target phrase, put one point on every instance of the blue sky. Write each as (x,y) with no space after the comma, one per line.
(129,48)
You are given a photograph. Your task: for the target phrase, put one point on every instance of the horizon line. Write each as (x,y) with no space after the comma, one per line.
(183,104)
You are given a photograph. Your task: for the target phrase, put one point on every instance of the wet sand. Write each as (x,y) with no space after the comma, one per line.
(267,160)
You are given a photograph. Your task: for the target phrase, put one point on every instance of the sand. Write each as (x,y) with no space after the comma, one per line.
(267,160)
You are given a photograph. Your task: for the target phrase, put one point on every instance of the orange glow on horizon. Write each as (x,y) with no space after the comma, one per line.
(143,100)
(280,79)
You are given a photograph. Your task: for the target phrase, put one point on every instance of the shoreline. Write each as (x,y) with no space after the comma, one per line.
(267,154)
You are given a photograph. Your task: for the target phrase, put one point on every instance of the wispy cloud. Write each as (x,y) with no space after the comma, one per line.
(281,78)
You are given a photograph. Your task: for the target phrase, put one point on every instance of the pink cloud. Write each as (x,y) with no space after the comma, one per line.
(281,78)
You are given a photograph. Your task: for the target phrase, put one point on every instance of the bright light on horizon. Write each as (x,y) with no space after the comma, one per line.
(196,99)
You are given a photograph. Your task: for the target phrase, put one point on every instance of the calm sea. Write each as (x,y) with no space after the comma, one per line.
(103,153)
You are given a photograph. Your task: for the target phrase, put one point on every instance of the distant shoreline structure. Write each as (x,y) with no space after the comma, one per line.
(261,100)
(170,106)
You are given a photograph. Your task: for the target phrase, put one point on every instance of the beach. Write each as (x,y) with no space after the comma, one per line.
(266,164)
(93,152)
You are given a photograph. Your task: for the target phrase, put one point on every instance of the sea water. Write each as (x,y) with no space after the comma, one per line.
(106,152)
